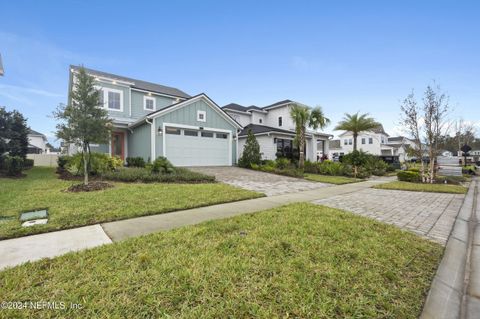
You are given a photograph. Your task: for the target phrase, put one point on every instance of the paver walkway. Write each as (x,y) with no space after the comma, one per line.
(430,215)
(269,184)
(18,250)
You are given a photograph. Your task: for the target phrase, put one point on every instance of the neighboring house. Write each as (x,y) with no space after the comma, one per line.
(152,120)
(376,142)
(1,66)
(37,143)
(274,129)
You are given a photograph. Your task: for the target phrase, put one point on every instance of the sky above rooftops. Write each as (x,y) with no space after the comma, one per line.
(346,56)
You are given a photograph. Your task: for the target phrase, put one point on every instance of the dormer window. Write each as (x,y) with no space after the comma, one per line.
(280,121)
(260,121)
(149,103)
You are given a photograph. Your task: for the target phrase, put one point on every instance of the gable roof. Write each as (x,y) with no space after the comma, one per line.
(379,130)
(33,132)
(277,104)
(138,84)
(241,108)
(172,107)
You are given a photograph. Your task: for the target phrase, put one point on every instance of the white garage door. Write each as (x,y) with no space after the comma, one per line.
(188,147)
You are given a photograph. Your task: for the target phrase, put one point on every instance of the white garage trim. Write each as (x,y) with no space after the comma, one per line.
(164,125)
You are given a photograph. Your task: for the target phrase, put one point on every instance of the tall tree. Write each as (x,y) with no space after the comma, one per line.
(303,117)
(251,152)
(356,123)
(83,121)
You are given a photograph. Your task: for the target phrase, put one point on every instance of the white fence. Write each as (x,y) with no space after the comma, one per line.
(44,159)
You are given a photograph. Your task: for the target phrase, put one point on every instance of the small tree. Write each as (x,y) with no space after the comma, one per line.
(433,114)
(83,121)
(251,152)
(356,123)
(13,133)
(356,159)
(304,116)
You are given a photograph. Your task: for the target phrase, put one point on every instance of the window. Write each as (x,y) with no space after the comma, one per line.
(148,103)
(363,140)
(114,101)
(207,134)
(260,121)
(201,116)
(345,142)
(350,142)
(222,135)
(370,140)
(172,130)
(280,121)
(190,133)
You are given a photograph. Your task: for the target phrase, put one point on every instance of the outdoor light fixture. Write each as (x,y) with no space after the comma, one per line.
(159,131)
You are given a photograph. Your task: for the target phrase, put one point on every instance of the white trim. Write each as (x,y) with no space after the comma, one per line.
(204,113)
(130,102)
(226,109)
(164,146)
(159,94)
(193,100)
(106,102)
(230,140)
(152,140)
(145,98)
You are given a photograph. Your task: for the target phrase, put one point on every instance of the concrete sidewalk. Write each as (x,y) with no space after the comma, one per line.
(30,248)
(455,290)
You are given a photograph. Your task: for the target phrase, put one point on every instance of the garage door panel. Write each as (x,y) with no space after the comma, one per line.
(184,150)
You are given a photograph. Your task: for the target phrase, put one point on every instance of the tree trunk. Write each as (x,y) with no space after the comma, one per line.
(85,165)
(355,135)
(301,146)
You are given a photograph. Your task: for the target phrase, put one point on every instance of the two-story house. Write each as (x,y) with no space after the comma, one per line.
(37,143)
(376,142)
(152,120)
(274,129)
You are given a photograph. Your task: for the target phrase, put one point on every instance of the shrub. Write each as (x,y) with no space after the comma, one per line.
(62,161)
(455,180)
(311,167)
(99,164)
(28,163)
(251,152)
(409,176)
(375,166)
(162,165)
(137,174)
(135,162)
(331,168)
(12,165)
(470,170)
(393,167)
(282,163)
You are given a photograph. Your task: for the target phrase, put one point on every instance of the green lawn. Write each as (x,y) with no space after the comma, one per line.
(418,187)
(296,261)
(338,180)
(42,189)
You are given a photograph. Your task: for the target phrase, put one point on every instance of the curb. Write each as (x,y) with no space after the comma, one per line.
(449,293)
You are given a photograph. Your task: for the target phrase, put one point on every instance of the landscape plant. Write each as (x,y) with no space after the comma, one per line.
(83,121)
(251,152)
(355,124)
(303,116)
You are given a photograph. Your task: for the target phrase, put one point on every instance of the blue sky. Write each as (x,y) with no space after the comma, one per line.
(346,56)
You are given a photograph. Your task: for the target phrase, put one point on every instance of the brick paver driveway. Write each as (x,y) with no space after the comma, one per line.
(430,215)
(269,184)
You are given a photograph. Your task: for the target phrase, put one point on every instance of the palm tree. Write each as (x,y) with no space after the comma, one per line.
(304,116)
(356,123)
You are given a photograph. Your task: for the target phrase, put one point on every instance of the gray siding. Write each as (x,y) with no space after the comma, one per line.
(187,115)
(137,103)
(139,142)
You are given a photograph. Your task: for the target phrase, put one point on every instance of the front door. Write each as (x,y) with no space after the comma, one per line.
(118,145)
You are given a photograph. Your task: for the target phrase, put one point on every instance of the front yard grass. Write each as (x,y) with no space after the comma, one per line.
(337,180)
(419,187)
(296,261)
(42,189)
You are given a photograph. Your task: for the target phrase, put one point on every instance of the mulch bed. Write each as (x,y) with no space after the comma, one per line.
(91,187)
